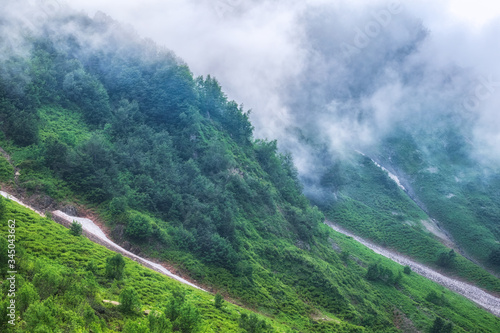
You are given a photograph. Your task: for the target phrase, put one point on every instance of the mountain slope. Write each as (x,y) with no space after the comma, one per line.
(371,204)
(62,283)
(103,121)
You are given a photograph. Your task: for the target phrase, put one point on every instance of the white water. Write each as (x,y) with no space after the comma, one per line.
(478,296)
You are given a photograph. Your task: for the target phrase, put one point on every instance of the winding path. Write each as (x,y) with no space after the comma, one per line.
(478,296)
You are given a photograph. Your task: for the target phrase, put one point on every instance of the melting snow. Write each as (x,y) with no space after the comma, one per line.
(391,175)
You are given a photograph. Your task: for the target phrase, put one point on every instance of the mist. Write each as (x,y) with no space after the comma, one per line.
(341,74)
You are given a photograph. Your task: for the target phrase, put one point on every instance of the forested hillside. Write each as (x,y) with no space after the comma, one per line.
(93,116)
(66,283)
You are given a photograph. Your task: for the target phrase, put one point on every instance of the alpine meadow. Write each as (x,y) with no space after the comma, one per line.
(361,192)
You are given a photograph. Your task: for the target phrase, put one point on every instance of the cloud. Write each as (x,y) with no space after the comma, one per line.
(344,72)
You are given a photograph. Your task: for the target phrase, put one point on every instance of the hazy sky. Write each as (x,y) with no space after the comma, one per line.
(267,53)
(349,70)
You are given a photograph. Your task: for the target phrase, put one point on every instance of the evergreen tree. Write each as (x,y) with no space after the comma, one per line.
(219,301)
(373,272)
(494,257)
(76,228)
(115,266)
(446,259)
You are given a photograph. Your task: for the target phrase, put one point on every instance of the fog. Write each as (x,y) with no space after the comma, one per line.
(341,73)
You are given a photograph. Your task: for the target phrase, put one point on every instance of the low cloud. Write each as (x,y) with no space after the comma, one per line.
(345,73)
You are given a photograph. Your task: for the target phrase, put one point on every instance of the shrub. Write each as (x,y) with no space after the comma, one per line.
(183,316)
(434,298)
(76,228)
(494,257)
(159,323)
(129,301)
(3,207)
(24,128)
(139,226)
(118,206)
(446,259)
(219,301)
(91,267)
(3,256)
(373,272)
(188,320)
(440,327)
(89,315)
(47,281)
(115,266)
(27,295)
(135,326)
(407,270)
(252,324)
(6,170)
(344,255)
(41,317)
(381,273)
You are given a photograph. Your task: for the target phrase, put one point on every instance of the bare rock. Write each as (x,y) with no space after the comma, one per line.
(46,201)
(127,246)
(118,232)
(70,210)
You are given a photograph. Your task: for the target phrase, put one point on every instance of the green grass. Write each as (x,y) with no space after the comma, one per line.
(465,314)
(57,123)
(316,275)
(224,208)
(373,206)
(45,243)
(66,125)
(458,191)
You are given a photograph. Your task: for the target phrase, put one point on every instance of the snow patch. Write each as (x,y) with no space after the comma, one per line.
(432,169)
(91,227)
(473,293)
(390,174)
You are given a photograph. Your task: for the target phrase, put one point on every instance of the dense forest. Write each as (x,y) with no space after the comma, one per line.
(91,115)
(156,140)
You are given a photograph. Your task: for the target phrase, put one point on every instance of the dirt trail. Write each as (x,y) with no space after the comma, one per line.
(95,234)
(478,296)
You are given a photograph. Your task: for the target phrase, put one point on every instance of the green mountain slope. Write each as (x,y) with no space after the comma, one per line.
(62,283)
(171,166)
(370,203)
(63,279)
(453,187)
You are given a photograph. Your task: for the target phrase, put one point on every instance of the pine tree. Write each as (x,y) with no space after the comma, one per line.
(76,229)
